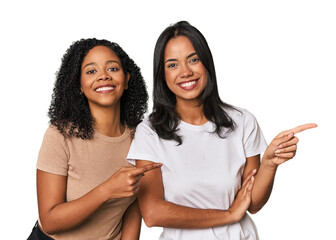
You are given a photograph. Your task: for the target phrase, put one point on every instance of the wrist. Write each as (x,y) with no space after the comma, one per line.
(268,165)
(234,216)
(102,192)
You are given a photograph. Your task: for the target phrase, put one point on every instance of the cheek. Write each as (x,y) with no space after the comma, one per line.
(205,79)
(85,87)
(204,74)
(83,84)
(121,79)
(169,76)
(86,81)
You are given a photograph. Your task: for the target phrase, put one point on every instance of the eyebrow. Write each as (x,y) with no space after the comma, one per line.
(174,59)
(109,61)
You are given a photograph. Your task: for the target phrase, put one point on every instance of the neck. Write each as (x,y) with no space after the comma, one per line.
(191,112)
(107,120)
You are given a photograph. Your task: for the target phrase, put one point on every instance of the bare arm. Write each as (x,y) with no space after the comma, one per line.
(281,149)
(263,183)
(57,215)
(158,212)
(131,222)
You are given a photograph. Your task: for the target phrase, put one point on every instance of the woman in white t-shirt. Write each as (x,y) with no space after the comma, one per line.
(210,151)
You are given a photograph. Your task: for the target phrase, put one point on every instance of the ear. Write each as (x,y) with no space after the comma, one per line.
(128,76)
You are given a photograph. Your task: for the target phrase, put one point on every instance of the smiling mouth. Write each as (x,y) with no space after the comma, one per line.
(104,89)
(188,85)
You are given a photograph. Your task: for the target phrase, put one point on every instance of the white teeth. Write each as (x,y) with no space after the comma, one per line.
(187,84)
(104,89)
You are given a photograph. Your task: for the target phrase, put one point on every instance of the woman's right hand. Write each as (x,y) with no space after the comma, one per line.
(243,198)
(126,181)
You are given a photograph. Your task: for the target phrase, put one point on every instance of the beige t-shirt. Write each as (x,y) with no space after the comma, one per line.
(87,163)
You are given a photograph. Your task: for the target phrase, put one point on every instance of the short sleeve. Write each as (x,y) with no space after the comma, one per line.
(253,138)
(144,144)
(54,154)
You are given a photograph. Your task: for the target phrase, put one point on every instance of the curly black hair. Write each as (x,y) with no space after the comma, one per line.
(69,109)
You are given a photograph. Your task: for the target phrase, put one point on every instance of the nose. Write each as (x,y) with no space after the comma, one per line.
(185,71)
(104,76)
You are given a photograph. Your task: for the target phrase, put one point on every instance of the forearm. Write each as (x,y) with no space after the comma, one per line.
(262,188)
(281,149)
(57,215)
(67,215)
(167,214)
(158,212)
(131,222)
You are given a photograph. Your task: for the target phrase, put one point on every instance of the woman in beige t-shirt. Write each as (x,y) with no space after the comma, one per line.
(85,187)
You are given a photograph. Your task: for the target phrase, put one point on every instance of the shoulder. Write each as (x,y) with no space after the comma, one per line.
(54,152)
(145,130)
(53,133)
(53,139)
(245,121)
(239,115)
(144,126)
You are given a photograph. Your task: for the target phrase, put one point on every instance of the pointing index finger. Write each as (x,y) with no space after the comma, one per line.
(302,128)
(146,168)
(298,129)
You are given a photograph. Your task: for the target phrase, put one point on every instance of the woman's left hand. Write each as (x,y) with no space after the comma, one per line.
(283,146)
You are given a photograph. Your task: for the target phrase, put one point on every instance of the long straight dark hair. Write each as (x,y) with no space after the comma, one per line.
(164,118)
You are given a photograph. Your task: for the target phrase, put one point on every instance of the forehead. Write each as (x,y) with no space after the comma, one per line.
(100,54)
(178,46)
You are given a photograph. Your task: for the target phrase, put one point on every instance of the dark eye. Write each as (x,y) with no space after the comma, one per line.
(171,65)
(113,69)
(90,72)
(194,60)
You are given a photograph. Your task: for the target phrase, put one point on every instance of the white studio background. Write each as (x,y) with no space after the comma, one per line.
(274,58)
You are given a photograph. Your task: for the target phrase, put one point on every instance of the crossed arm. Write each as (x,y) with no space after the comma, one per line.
(131,222)
(151,202)
(255,191)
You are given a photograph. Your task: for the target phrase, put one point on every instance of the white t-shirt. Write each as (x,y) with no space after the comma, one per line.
(205,171)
